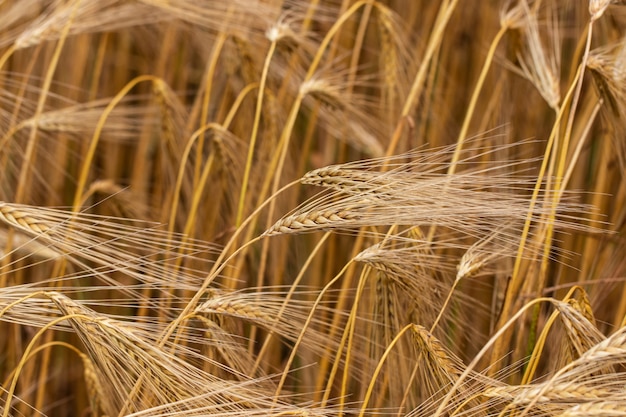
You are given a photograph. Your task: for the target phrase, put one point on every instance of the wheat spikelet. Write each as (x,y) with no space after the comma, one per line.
(282,31)
(343,114)
(124,355)
(90,16)
(389,316)
(25,306)
(94,387)
(234,307)
(388,259)
(270,312)
(394,310)
(325,91)
(101,246)
(26,246)
(124,203)
(607,66)
(583,305)
(173,115)
(233,358)
(395,58)
(419,163)
(22,220)
(619,68)
(540,65)
(446,365)
(468,202)
(419,169)
(562,393)
(582,334)
(248,65)
(345,180)
(420,278)
(598,359)
(599,408)
(80,119)
(389,55)
(230,154)
(439,369)
(386,298)
(597,8)
(472,262)
(311,221)
(484,251)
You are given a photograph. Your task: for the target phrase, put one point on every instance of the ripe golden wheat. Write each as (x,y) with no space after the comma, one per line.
(312,208)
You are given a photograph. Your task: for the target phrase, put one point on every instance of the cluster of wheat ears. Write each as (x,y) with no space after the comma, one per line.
(312,208)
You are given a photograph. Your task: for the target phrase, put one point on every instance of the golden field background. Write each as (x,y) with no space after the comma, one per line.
(312,208)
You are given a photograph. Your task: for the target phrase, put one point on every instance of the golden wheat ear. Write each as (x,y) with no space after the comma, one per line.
(136,374)
(136,263)
(540,63)
(468,202)
(270,311)
(572,390)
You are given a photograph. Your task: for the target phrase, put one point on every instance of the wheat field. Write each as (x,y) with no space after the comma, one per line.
(312,208)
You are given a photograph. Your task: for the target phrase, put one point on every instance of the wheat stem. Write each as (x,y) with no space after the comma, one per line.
(254,132)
